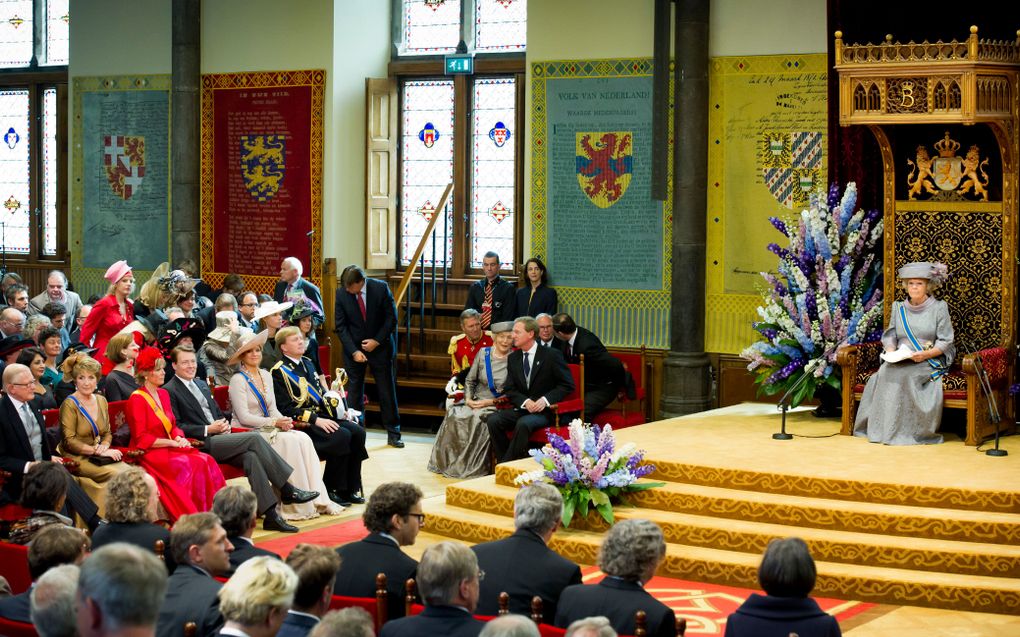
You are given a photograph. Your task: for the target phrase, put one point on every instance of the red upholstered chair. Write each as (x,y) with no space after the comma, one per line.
(11,628)
(376,606)
(51,417)
(630,411)
(14,563)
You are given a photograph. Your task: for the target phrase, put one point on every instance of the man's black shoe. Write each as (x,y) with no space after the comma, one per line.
(396,442)
(352,497)
(290,494)
(273,522)
(339,499)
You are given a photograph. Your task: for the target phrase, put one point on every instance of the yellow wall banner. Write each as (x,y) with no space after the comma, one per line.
(767,153)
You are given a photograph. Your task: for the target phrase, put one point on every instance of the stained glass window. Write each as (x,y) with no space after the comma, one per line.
(430,26)
(16,34)
(493,129)
(49,182)
(14,171)
(57,30)
(501,25)
(426,166)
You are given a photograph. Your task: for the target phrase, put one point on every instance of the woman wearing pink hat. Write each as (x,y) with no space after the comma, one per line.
(113,312)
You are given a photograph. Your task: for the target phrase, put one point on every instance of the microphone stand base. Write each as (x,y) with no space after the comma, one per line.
(998,453)
(784,436)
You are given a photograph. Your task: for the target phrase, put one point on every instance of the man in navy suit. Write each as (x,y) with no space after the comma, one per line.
(366,322)
(493,297)
(448,579)
(537,378)
(237,510)
(315,567)
(292,287)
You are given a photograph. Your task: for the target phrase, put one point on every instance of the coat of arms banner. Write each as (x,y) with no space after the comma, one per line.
(121,151)
(261,174)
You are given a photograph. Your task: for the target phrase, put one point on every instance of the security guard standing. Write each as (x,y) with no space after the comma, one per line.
(338,441)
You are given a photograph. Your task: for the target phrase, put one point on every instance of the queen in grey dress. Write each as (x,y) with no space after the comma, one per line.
(902,402)
(462,448)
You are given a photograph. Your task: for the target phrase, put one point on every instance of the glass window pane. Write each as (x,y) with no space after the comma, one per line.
(14,170)
(57,18)
(493,170)
(427,167)
(431,26)
(501,25)
(49,194)
(16,35)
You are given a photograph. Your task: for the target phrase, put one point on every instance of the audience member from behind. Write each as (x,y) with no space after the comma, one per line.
(44,491)
(510,564)
(590,627)
(787,575)
(347,622)
(393,518)
(510,626)
(448,581)
(316,568)
(53,546)
(132,501)
(202,551)
(630,553)
(256,598)
(53,599)
(120,590)
(237,508)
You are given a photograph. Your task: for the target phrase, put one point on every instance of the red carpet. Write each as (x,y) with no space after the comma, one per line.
(706,606)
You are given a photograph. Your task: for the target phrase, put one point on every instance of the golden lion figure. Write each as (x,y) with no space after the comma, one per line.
(922,170)
(972,163)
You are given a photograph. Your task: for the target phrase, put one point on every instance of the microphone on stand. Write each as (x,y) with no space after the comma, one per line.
(784,402)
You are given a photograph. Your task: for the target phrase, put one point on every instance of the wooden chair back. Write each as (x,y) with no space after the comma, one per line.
(159,547)
(375,606)
(190,629)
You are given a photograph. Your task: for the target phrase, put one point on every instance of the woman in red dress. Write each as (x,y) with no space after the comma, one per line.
(112,313)
(187,478)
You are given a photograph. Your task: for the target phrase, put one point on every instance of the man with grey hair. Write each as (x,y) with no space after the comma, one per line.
(292,287)
(353,621)
(536,379)
(53,612)
(12,322)
(120,590)
(510,564)
(56,292)
(546,335)
(237,509)
(590,627)
(448,581)
(510,626)
(629,556)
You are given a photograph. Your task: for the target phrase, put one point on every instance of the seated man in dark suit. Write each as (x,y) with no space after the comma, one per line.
(200,417)
(448,581)
(23,442)
(53,546)
(236,508)
(629,555)
(316,568)
(537,378)
(523,565)
(202,552)
(603,373)
(393,518)
(338,441)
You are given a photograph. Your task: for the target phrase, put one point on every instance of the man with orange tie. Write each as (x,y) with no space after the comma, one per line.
(492,297)
(366,322)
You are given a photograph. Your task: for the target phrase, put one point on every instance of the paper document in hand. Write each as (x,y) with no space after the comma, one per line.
(901,354)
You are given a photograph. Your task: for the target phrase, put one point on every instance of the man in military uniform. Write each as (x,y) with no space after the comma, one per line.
(463,349)
(338,441)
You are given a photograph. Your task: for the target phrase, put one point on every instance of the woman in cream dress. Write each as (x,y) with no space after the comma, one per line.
(254,405)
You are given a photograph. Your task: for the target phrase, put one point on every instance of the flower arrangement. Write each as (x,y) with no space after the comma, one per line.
(828,292)
(589,470)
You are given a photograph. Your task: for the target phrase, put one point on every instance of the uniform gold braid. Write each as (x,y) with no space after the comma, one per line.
(302,392)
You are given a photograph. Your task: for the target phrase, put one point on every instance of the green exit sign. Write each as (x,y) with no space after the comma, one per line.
(460,64)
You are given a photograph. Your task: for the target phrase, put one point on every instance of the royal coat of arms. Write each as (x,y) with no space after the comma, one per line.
(947,175)
(124,162)
(791,165)
(263,165)
(604,163)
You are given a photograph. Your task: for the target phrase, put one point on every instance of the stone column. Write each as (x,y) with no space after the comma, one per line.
(185,151)
(687,386)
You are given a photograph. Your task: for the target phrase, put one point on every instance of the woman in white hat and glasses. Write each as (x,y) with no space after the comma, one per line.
(254,404)
(902,402)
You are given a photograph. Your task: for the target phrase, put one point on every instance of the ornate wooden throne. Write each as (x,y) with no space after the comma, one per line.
(946,118)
